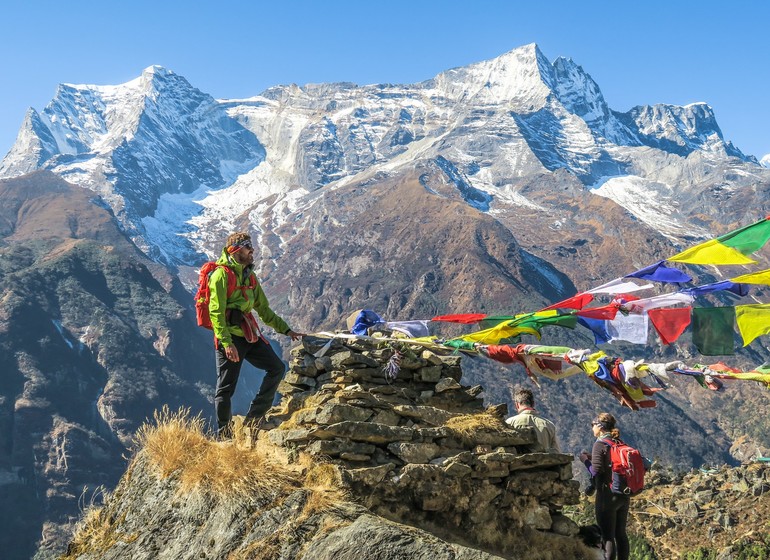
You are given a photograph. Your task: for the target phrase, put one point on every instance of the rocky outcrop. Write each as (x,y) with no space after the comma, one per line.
(720,509)
(149,519)
(362,459)
(415,444)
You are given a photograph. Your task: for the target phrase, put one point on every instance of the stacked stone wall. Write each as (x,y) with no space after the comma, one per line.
(419,448)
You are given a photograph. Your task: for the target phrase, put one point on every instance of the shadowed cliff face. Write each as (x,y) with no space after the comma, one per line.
(93,339)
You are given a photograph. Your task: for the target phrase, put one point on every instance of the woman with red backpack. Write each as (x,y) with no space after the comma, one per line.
(611,502)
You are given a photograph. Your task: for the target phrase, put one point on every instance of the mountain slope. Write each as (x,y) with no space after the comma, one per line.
(93,338)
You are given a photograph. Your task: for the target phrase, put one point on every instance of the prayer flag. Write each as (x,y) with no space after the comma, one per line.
(724,286)
(598,327)
(659,272)
(495,334)
(664,300)
(413,329)
(364,321)
(578,301)
(492,320)
(618,286)
(712,330)
(761,277)
(753,321)
(464,318)
(605,312)
(670,323)
(631,328)
(730,248)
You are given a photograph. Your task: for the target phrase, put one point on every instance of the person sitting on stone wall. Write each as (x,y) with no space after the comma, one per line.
(527,416)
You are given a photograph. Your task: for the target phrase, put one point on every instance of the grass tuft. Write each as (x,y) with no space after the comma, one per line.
(327,490)
(175,443)
(95,533)
(467,425)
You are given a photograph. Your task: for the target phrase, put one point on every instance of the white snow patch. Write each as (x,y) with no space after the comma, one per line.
(765,161)
(651,202)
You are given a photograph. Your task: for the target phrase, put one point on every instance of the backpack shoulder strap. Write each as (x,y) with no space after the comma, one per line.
(232,281)
(252,281)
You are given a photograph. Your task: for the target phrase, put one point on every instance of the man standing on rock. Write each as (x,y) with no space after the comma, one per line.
(526,416)
(237,333)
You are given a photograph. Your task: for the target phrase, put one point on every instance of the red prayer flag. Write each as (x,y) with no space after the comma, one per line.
(723,368)
(503,353)
(578,301)
(670,322)
(464,318)
(605,312)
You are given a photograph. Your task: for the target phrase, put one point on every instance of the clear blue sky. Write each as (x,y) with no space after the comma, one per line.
(638,52)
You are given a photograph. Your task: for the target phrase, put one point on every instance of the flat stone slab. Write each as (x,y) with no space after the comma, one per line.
(428,414)
(363,431)
(539,460)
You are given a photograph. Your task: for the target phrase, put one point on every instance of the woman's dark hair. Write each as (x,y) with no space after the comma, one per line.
(606,422)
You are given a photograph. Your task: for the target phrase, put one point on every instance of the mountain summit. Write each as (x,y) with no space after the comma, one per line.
(171,160)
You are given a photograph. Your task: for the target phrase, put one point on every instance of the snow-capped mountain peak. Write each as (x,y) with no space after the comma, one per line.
(521,77)
(169,158)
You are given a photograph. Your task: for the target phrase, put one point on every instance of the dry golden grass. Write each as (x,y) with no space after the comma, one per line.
(262,549)
(327,490)
(95,533)
(467,425)
(175,443)
(172,439)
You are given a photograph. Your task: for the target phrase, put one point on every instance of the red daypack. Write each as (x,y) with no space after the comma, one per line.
(628,468)
(203,295)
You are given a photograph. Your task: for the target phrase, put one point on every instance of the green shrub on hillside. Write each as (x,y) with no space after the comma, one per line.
(640,549)
(742,550)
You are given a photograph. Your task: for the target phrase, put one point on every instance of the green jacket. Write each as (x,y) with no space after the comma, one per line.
(544,430)
(245,300)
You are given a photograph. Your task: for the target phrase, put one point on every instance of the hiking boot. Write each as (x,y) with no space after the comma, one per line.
(252,426)
(225,433)
(255,423)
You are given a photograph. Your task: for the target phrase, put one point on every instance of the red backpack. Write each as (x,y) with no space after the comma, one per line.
(203,295)
(628,467)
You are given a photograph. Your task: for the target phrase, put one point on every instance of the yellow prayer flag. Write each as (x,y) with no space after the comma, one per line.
(752,376)
(711,252)
(761,277)
(753,321)
(497,333)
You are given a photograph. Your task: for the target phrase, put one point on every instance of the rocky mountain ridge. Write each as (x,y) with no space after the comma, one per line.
(418,449)
(490,126)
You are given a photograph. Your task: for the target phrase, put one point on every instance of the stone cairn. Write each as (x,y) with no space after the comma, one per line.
(401,447)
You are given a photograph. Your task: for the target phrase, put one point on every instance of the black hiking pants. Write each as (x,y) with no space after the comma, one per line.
(612,517)
(259,354)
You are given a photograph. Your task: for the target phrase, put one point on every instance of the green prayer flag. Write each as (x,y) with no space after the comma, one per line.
(748,239)
(713,331)
(494,320)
